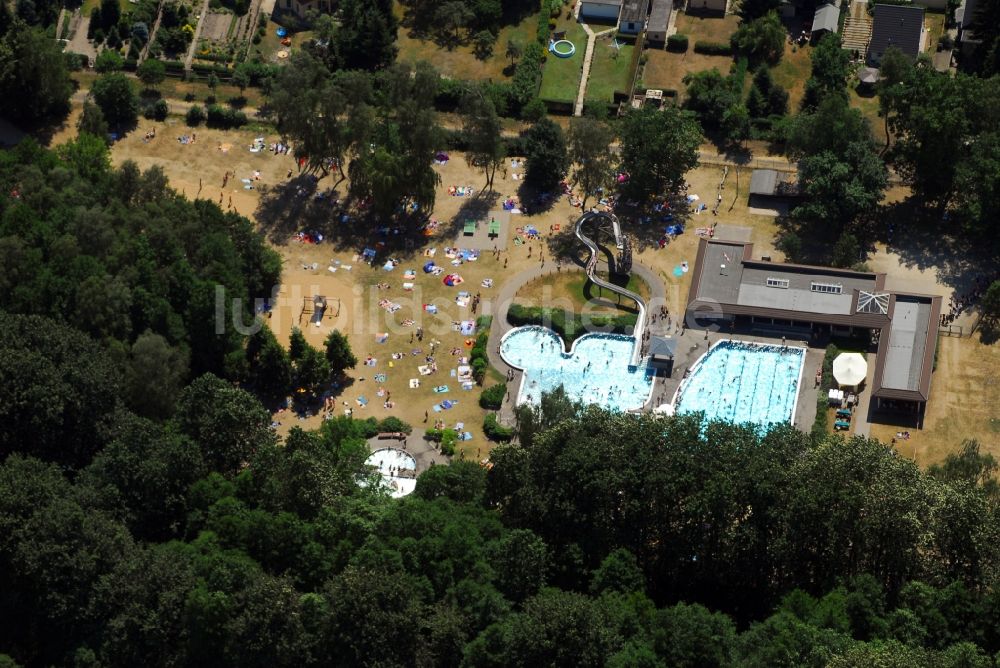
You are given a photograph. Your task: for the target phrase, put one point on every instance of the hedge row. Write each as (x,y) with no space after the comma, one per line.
(819,428)
(478,356)
(212,68)
(677,43)
(570,326)
(713,48)
(217,116)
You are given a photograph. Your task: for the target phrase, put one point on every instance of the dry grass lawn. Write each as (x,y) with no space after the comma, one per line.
(791,73)
(868,106)
(934,24)
(666,70)
(965,403)
(460,62)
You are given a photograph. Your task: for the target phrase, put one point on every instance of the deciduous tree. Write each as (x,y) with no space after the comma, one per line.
(545,149)
(657,149)
(118,101)
(590,154)
(483,134)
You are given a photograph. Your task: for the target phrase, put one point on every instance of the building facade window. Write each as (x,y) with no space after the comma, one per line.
(828,288)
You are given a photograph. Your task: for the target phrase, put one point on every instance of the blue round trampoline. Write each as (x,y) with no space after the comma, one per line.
(281,31)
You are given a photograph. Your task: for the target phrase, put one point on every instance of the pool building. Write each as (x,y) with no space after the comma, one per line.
(729,289)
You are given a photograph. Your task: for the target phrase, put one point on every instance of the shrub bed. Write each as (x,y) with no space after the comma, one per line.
(492,397)
(819,428)
(495,431)
(570,326)
(218,116)
(478,357)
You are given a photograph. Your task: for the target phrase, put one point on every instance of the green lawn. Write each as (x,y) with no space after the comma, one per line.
(561,76)
(609,70)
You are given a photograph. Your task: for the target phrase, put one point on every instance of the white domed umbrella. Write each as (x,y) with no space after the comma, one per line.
(664,409)
(850,369)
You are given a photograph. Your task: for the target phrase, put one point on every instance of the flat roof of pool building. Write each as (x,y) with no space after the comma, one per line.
(728,282)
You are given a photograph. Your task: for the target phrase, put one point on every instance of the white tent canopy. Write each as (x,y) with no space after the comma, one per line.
(850,369)
(664,409)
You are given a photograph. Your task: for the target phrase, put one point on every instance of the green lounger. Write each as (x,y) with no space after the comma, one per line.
(470,227)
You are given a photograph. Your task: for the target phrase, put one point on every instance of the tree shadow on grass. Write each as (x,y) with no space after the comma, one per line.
(313,206)
(924,239)
(477,207)
(297,206)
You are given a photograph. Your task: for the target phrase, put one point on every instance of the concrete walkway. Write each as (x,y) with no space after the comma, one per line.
(197,35)
(588,56)
(425,452)
(59,22)
(152,34)
(78,42)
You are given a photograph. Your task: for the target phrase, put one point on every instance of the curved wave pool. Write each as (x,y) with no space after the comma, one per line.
(595,371)
(742,382)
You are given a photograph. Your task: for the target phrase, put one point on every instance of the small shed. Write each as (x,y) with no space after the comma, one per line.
(825,20)
(772,183)
(659,21)
(607,10)
(633,16)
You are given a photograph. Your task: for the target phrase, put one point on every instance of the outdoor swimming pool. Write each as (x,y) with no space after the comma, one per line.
(596,371)
(389,462)
(743,382)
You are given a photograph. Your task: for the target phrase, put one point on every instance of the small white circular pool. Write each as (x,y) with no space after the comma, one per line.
(390,463)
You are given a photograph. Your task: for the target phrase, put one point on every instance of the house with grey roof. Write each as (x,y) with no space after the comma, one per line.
(606,10)
(900,26)
(729,286)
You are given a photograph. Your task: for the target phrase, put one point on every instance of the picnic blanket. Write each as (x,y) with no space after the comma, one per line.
(414,383)
(425,370)
(441,389)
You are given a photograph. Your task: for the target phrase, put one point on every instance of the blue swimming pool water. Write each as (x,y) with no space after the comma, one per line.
(596,371)
(744,382)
